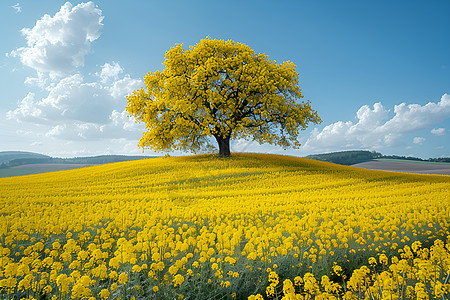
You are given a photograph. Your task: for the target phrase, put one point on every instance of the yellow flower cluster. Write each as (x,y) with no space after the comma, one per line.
(201,225)
(422,273)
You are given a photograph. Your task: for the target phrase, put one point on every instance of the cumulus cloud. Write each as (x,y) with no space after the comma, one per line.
(109,72)
(122,87)
(27,110)
(57,45)
(75,131)
(242,145)
(419,140)
(68,107)
(76,109)
(438,131)
(121,119)
(374,129)
(412,117)
(41,80)
(70,99)
(118,87)
(119,126)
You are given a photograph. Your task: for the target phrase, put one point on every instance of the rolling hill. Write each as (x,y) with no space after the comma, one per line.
(376,161)
(7,156)
(17,163)
(205,227)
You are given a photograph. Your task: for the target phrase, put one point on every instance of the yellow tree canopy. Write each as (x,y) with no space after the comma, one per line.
(220,89)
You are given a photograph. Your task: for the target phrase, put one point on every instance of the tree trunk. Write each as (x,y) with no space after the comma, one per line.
(224,146)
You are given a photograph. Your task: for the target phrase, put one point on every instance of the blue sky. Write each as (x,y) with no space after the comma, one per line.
(377,72)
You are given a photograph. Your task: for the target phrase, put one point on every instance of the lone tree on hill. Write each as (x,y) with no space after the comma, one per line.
(224,90)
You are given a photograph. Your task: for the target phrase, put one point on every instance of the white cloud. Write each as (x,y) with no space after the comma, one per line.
(109,72)
(26,111)
(242,145)
(69,109)
(73,99)
(349,135)
(419,140)
(374,130)
(57,45)
(412,117)
(438,131)
(122,87)
(17,8)
(78,110)
(73,131)
(122,120)
(41,80)
(70,99)
(120,126)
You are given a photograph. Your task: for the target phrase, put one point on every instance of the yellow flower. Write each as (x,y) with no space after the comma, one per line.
(178,280)
(136,268)
(114,263)
(123,278)
(47,289)
(270,290)
(104,293)
(114,287)
(337,269)
(416,246)
(383,259)
(288,287)
(256,297)
(113,275)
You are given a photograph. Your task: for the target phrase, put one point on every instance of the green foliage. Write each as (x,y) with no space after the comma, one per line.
(346,157)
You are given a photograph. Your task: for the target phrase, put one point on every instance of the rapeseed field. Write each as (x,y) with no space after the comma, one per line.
(252,226)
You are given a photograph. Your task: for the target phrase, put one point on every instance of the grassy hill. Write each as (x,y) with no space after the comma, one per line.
(203,227)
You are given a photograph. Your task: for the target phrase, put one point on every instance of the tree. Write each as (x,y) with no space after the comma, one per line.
(220,89)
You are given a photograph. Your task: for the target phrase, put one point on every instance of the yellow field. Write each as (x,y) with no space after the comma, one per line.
(202,227)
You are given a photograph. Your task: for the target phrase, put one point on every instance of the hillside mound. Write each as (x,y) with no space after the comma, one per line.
(206,227)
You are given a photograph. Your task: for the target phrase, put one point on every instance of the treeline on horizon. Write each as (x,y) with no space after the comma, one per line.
(93,160)
(342,158)
(355,157)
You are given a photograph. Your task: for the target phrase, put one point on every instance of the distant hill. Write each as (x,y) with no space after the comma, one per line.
(346,157)
(6,156)
(17,158)
(17,163)
(92,160)
(360,156)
